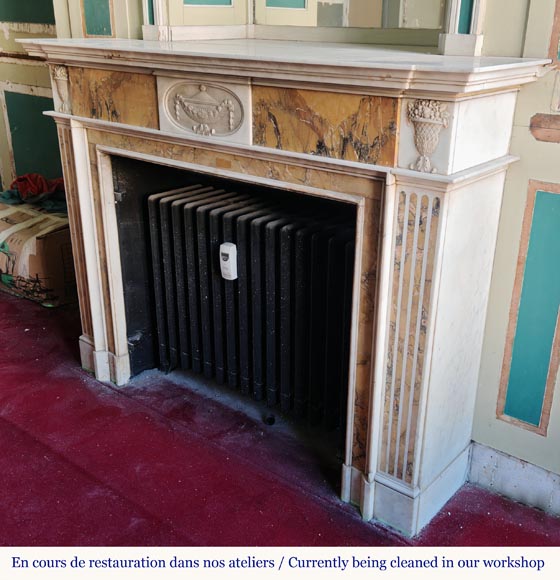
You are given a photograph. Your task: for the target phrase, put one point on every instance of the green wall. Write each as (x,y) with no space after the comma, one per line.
(538,311)
(285,3)
(207,2)
(465,16)
(34,137)
(97,15)
(35,11)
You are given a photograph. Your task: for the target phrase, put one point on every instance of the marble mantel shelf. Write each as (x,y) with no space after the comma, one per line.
(363,66)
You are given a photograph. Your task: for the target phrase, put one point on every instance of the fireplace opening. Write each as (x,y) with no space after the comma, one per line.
(247,286)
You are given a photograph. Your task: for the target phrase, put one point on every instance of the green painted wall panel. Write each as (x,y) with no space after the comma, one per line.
(35,11)
(97,14)
(151,15)
(207,2)
(465,16)
(538,311)
(285,3)
(34,137)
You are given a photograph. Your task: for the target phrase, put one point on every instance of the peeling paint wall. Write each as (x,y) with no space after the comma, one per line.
(10,31)
(19,74)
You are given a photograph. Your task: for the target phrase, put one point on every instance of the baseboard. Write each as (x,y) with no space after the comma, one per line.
(515,478)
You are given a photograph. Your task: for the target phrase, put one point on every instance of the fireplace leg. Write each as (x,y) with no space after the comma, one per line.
(442,239)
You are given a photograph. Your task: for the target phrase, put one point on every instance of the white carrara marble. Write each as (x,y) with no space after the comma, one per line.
(355,65)
(478,130)
(465,243)
(206,106)
(459,312)
(482,131)
(455,131)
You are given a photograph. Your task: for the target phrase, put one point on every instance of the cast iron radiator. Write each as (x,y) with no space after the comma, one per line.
(280,332)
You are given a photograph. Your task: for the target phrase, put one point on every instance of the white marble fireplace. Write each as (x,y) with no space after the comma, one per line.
(418,143)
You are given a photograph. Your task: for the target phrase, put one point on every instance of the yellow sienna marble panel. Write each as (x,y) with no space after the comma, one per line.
(358,128)
(413,267)
(129,98)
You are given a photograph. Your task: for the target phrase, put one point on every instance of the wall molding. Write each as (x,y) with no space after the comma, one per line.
(555,36)
(554,362)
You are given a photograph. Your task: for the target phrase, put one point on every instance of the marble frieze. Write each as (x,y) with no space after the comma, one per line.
(352,127)
(120,97)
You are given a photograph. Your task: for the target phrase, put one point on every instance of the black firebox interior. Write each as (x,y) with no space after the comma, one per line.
(280,331)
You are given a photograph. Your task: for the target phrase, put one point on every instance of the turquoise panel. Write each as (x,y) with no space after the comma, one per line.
(285,3)
(538,311)
(35,11)
(151,17)
(207,2)
(97,14)
(34,137)
(465,16)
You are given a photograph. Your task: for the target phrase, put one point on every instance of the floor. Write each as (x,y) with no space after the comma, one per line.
(157,463)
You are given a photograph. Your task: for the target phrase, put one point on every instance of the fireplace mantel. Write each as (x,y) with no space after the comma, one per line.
(352,65)
(418,142)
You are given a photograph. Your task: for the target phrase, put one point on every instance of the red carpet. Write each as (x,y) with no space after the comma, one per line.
(155,463)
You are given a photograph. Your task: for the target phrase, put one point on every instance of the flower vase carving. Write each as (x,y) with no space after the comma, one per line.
(428,119)
(60,77)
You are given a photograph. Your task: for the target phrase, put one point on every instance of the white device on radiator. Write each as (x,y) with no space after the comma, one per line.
(228,261)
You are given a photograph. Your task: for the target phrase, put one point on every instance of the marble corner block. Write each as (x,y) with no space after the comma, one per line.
(360,128)
(205,106)
(61,89)
(446,137)
(440,273)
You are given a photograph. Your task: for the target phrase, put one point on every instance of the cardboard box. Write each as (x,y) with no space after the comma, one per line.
(36,255)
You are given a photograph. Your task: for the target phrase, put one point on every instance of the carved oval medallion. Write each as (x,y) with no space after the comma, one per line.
(203,109)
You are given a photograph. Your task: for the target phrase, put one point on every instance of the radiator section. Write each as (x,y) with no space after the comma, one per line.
(280,332)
